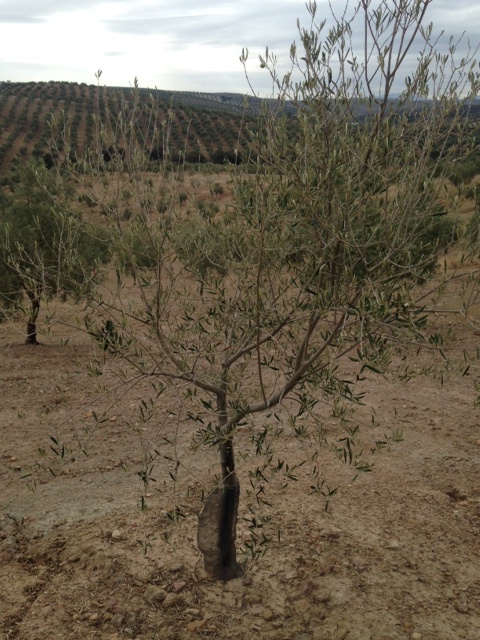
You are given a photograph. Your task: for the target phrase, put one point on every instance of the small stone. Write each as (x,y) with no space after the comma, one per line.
(247,581)
(193,613)
(416,636)
(173,600)
(117,620)
(461,607)
(393,544)
(302,606)
(322,596)
(332,533)
(175,568)
(267,614)
(179,585)
(253,598)
(116,535)
(196,626)
(154,594)
(93,617)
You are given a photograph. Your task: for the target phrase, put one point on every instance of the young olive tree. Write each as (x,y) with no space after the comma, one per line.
(337,219)
(44,250)
(342,222)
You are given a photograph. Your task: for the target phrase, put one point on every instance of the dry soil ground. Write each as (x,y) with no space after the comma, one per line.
(397,557)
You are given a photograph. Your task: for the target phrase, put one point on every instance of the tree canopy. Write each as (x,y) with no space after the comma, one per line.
(45,249)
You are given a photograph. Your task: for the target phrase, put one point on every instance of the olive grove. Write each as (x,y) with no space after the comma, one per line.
(337,221)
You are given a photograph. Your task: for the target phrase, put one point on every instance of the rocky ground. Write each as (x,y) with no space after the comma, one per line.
(88,550)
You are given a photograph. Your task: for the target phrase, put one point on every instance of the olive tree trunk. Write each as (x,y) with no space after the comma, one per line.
(32,320)
(217,525)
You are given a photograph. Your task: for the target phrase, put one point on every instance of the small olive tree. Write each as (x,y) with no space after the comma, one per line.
(337,218)
(44,249)
(342,222)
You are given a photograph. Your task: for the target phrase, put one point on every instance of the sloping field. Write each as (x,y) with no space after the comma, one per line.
(203,127)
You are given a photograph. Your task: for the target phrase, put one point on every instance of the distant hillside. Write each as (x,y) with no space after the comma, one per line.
(205,126)
(236,103)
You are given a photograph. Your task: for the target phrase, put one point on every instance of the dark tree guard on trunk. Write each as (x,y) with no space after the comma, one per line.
(31,333)
(217,523)
(32,321)
(217,532)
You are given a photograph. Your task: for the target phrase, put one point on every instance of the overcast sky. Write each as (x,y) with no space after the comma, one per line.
(190,45)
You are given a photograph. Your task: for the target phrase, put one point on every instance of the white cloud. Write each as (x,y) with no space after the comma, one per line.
(35,11)
(172,44)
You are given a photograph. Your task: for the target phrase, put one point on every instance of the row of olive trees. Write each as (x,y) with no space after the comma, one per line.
(331,232)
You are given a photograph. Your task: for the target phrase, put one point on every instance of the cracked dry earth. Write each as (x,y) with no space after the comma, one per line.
(396,557)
